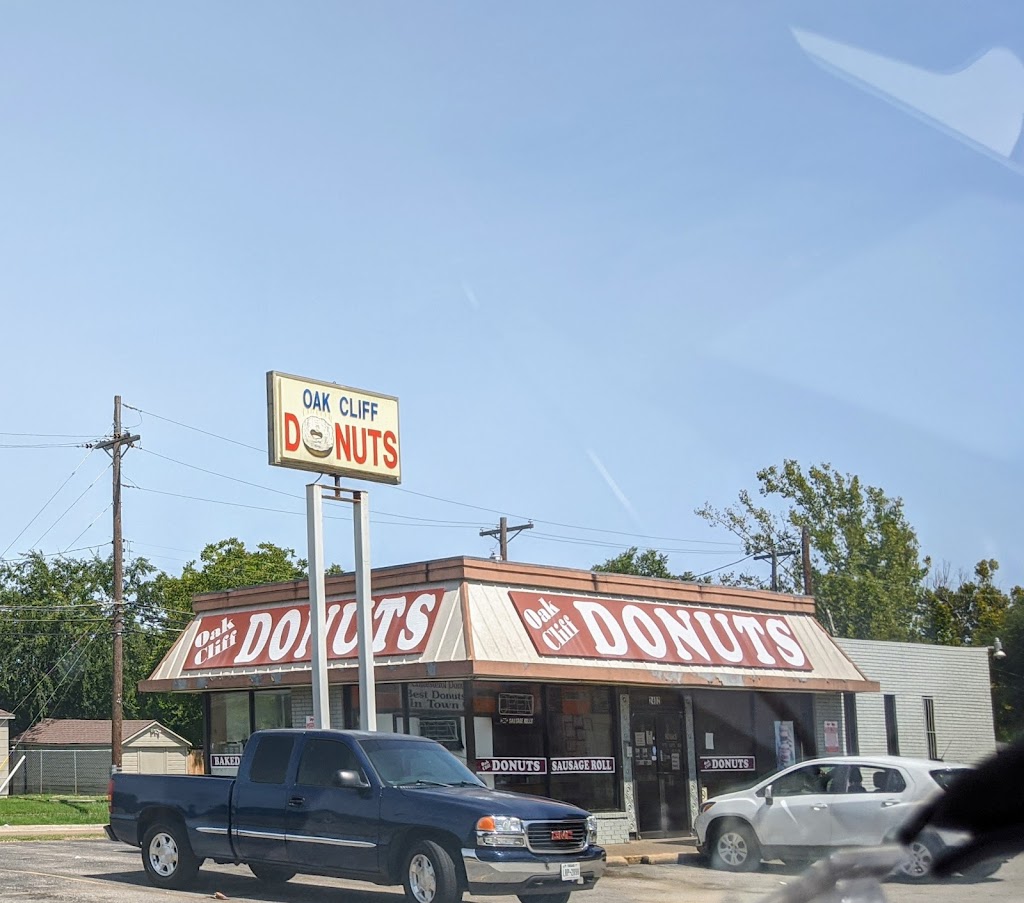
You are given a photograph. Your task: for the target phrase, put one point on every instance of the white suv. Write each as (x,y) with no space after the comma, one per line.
(809,809)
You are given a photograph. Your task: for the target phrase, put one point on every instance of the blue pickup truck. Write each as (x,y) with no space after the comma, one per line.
(387,808)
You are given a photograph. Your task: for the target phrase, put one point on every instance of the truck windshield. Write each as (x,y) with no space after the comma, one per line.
(403,763)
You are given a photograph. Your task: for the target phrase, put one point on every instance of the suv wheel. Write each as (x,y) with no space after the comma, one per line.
(735,848)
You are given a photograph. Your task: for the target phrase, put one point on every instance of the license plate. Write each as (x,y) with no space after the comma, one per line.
(570,871)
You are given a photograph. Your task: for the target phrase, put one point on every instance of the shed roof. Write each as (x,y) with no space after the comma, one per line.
(5,715)
(84,732)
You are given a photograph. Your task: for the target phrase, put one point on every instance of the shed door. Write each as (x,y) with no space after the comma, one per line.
(152,761)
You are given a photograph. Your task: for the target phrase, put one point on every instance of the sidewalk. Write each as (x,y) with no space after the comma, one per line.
(650,852)
(636,852)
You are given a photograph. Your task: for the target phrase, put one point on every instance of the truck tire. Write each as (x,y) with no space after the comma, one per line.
(271,874)
(735,848)
(429,874)
(167,857)
(563,897)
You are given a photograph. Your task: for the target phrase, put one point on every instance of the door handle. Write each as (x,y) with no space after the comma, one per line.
(819,807)
(889,803)
(297,802)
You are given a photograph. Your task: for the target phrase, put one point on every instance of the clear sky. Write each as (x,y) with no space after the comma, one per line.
(612,258)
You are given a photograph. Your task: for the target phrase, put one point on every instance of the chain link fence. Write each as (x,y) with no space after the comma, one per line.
(83,772)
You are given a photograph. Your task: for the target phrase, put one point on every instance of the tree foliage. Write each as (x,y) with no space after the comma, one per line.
(866,565)
(56,658)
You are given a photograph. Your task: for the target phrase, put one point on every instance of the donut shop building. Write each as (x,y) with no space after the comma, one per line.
(635,698)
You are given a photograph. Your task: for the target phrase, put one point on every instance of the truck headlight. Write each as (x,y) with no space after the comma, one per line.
(500,831)
(591,829)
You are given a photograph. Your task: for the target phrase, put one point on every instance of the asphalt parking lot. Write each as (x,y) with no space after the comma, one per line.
(97,870)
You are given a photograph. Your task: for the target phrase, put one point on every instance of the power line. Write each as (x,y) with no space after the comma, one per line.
(196,429)
(435,498)
(724,566)
(69,507)
(50,499)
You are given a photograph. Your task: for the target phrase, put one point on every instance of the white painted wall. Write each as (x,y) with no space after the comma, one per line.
(957,678)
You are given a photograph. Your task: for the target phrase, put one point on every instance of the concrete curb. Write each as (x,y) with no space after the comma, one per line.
(645,859)
(37,832)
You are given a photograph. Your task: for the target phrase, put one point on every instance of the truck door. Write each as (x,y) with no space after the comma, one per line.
(331,827)
(258,801)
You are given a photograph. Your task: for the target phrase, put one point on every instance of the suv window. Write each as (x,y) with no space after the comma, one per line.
(323,759)
(809,779)
(945,776)
(270,761)
(867,779)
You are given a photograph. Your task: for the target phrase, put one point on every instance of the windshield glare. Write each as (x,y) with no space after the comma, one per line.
(400,763)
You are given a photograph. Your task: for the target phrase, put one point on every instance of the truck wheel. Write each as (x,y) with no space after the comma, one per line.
(430,874)
(545,898)
(167,857)
(271,874)
(735,848)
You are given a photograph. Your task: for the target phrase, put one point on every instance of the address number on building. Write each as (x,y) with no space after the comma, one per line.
(727,763)
(512,766)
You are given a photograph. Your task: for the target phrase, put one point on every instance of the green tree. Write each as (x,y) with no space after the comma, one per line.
(866,565)
(967,613)
(1008,672)
(56,658)
(650,563)
(166,605)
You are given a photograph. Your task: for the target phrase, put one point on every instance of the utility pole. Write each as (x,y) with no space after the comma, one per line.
(805,550)
(115,446)
(774,556)
(502,533)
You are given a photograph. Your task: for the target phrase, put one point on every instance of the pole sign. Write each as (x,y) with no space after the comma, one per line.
(328,428)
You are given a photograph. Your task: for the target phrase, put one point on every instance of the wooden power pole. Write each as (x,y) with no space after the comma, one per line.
(116,447)
(502,533)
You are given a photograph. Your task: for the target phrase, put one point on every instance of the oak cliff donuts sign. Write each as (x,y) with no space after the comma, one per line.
(657,632)
(401,625)
(329,428)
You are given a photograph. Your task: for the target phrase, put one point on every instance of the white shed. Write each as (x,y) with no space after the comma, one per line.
(74,755)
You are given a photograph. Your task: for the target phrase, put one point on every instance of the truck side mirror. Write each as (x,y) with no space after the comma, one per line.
(346,778)
(769,797)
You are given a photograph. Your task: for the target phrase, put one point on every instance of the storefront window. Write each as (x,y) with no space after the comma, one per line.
(437,710)
(556,741)
(510,743)
(582,765)
(234,716)
(229,730)
(388,705)
(272,708)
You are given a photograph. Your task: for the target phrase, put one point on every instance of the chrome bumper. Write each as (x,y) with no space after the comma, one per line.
(483,874)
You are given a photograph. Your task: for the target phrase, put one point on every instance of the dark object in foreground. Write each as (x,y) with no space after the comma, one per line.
(987,803)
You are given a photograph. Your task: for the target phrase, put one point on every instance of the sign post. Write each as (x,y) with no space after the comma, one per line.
(332,429)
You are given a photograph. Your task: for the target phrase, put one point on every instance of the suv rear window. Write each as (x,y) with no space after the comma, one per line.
(945,776)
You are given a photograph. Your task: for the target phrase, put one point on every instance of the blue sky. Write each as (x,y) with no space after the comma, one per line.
(612,258)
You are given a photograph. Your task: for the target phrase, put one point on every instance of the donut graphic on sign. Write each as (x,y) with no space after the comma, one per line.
(318,436)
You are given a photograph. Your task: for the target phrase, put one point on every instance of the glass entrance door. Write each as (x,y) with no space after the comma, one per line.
(660,773)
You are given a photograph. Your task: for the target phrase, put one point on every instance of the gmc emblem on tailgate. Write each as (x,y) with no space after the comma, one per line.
(562,834)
